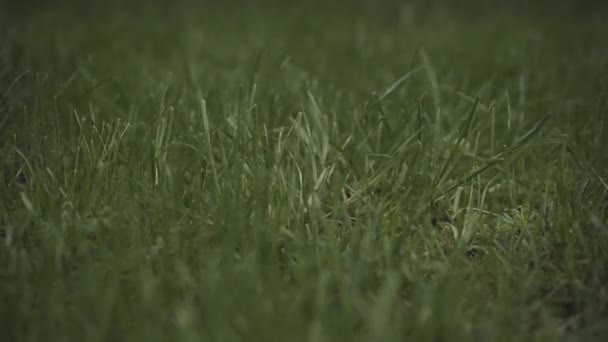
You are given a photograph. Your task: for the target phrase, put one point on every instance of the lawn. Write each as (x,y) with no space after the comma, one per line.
(303,171)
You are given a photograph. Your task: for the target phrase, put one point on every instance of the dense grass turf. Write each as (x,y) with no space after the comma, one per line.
(357,171)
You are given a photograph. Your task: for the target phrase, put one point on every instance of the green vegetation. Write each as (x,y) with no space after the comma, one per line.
(339,171)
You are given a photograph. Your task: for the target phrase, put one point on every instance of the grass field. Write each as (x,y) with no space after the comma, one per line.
(312,171)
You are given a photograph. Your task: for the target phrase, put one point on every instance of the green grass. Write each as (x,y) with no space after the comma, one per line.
(340,171)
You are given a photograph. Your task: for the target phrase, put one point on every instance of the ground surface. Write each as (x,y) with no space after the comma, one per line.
(357,171)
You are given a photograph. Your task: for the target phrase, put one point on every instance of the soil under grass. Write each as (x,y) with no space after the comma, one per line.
(290,171)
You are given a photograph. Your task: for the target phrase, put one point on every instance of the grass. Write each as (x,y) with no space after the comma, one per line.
(287,172)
